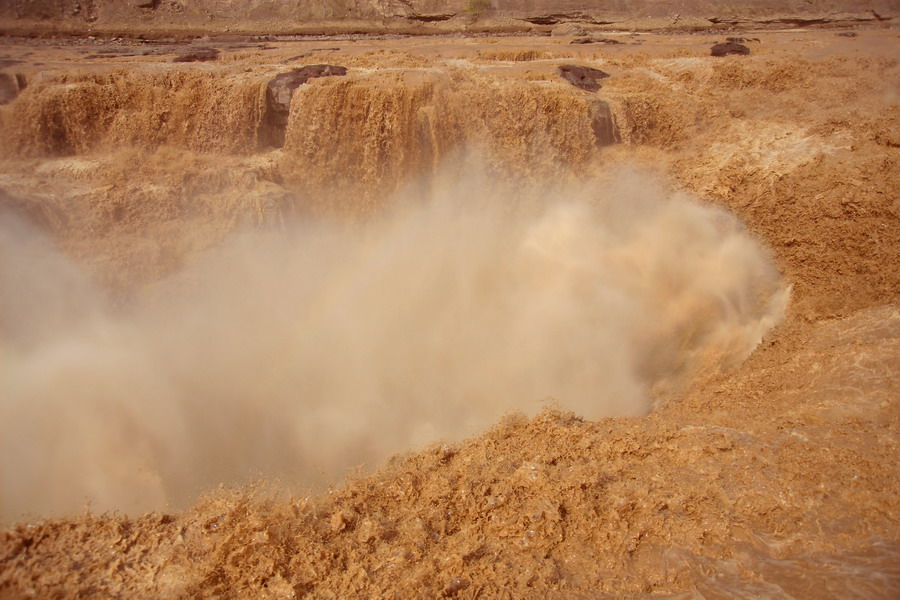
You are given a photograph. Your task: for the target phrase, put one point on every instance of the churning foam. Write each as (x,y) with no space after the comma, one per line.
(306,351)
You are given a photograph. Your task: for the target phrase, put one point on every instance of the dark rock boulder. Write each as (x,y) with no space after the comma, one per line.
(729,48)
(585,78)
(279,92)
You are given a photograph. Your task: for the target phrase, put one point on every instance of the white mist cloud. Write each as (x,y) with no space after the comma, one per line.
(309,350)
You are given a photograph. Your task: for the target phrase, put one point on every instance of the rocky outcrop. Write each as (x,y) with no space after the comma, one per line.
(585,78)
(279,92)
(729,48)
(603,123)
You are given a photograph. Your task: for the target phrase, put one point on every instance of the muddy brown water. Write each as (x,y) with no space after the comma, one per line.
(635,342)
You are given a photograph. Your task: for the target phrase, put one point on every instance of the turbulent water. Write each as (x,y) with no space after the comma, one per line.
(451,236)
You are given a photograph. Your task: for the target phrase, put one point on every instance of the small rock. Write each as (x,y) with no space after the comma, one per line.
(847,34)
(567,29)
(729,48)
(197,55)
(585,78)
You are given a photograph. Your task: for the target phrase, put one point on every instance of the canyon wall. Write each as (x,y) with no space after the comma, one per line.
(166,17)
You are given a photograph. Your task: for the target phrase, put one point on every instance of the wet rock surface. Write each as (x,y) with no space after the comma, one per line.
(603,123)
(729,48)
(279,92)
(585,78)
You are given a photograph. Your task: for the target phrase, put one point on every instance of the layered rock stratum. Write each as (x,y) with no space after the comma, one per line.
(182,17)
